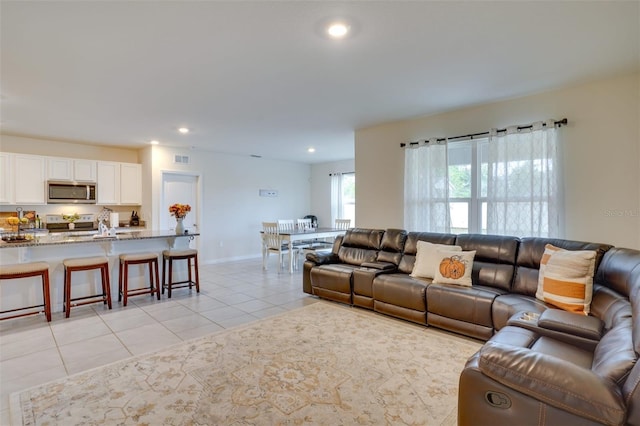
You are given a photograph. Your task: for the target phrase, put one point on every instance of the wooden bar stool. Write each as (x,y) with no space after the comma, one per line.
(170,256)
(25,270)
(150,259)
(86,264)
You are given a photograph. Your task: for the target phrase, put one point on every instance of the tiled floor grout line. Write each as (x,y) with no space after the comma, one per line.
(251,294)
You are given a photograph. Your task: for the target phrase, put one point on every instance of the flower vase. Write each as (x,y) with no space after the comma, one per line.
(72,225)
(179,226)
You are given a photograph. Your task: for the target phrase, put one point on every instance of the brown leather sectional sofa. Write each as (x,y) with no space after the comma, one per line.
(540,365)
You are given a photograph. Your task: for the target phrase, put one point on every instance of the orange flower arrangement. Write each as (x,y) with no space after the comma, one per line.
(179,210)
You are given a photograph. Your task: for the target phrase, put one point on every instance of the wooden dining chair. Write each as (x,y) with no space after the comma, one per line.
(343,224)
(290,225)
(328,242)
(304,224)
(286,225)
(272,243)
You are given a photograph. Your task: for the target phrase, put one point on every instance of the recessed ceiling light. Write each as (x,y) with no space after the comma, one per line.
(154,142)
(183,130)
(311,150)
(338,30)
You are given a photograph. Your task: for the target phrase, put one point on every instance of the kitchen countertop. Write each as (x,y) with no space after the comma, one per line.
(61,238)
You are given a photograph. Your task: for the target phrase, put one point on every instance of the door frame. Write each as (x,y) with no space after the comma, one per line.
(199,197)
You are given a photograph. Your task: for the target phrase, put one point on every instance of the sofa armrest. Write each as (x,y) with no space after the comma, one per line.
(554,381)
(571,323)
(381,266)
(575,329)
(320,258)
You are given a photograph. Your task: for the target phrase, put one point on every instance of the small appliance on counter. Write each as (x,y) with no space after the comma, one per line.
(135,220)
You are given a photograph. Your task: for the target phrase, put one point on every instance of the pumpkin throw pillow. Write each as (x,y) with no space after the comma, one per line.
(454,267)
(427,259)
(565,279)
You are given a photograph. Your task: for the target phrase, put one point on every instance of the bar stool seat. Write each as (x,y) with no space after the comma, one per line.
(26,270)
(86,264)
(150,259)
(188,255)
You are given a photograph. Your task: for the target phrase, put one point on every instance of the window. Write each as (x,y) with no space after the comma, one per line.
(343,197)
(507,183)
(467,172)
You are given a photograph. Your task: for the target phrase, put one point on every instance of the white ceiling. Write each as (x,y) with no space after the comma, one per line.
(260,78)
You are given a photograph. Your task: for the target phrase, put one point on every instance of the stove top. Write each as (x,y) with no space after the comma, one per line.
(55,223)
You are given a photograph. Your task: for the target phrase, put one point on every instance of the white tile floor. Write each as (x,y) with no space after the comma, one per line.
(33,351)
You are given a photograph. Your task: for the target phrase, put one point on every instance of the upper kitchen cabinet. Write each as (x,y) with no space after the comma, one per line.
(108,183)
(67,169)
(119,183)
(29,179)
(6,178)
(130,184)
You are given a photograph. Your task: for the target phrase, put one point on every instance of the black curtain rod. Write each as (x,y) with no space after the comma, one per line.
(340,173)
(558,123)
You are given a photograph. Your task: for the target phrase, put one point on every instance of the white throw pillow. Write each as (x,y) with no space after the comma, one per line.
(454,267)
(427,259)
(565,279)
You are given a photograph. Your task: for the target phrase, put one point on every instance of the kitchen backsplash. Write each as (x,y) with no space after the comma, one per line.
(52,209)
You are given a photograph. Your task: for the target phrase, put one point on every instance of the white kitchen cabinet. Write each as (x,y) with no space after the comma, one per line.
(6,178)
(130,184)
(108,183)
(59,169)
(29,179)
(68,169)
(84,171)
(119,183)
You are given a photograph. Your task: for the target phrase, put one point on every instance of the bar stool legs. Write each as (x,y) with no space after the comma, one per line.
(25,270)
(126,260)
(86,264)
(170,256)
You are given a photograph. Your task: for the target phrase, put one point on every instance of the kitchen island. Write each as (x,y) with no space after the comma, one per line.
(53,248)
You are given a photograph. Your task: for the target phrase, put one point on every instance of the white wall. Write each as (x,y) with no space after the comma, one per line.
(34,146)
(231,211)
(601,156)
(321,188)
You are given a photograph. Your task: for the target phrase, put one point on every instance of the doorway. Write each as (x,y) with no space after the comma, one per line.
(181,188)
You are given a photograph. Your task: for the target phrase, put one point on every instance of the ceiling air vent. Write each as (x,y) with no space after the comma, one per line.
(181,159)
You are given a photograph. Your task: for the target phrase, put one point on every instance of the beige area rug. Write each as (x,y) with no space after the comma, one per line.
(324,364)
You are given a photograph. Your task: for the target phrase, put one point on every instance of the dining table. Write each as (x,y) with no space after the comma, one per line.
(289,237)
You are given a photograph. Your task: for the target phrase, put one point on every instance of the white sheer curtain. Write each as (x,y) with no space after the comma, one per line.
(336,197)
(524,182)
(426,188)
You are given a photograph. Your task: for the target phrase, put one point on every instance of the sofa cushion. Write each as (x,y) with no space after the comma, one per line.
(392,245)
(529,256)
(565,279)
(620,270)
(614,356)
(411,247)
(334,277)
(428,259)
(401,290)
(495,259)
(360,245)
(454,267)
(467,304)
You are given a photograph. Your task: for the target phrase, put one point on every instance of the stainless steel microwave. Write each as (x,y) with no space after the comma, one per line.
(71,192)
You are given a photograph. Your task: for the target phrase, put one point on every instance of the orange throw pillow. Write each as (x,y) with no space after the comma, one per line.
(566,278)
